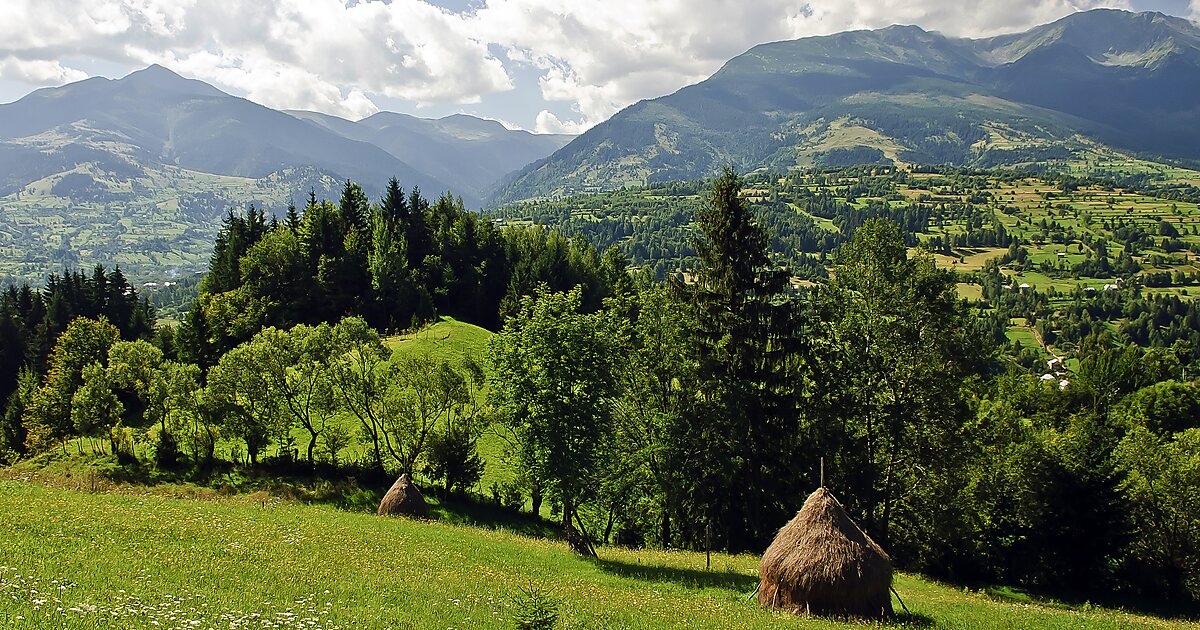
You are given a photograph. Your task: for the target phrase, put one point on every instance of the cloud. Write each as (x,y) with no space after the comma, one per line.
(37,71)
(548,122)
(594,56)
(311,54)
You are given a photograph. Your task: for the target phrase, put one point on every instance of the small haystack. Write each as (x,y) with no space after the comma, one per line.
(403,499)
(821,563)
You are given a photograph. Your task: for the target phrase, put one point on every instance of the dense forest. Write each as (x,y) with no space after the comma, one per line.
(658,411)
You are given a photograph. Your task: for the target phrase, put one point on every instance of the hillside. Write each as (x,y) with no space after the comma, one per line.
(156,117)
(447,338)
(902,95)
(138,559)
(138,171)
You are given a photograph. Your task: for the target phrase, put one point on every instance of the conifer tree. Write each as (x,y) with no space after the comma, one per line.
(293,217)
(354,206)
(745,437)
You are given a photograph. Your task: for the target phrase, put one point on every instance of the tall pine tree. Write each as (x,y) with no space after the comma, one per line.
(744,442)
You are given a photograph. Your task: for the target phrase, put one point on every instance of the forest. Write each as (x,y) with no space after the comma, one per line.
(661,410)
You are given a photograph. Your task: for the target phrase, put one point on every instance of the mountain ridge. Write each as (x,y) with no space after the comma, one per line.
(1102,78)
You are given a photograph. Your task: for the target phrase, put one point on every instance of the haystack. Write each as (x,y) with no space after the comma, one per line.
(821,563)
(403,499)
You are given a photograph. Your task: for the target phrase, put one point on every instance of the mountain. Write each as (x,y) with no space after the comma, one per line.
(138,171)
(470,154)
(155,116)
(1092,82)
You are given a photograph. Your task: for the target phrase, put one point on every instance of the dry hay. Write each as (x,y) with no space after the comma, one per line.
(403,499)
(821,563)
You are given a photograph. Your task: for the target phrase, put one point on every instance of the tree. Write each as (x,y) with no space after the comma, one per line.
(454,459)
(48,416)
(293,218)
(362,377)
(1165,408)
(296,367)
(1162,483)
(13,433)
(426,394)
(354,206)
(647,481)
(386,264)
(275,271)
(905,346)
(742,444)
(95,409)
(175,402)
(240,389)
(553,384)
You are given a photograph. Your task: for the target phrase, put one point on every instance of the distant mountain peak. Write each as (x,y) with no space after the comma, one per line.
(163,79)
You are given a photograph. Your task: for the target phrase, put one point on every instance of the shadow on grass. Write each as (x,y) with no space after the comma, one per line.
(479,512)
(1164,609)
(690,578)
(351,488)
(910,620)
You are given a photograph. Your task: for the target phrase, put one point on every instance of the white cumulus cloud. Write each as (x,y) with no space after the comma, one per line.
(589,58)
(312,54)
(37,71)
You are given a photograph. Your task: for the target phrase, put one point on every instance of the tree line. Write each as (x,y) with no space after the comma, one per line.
(397,264)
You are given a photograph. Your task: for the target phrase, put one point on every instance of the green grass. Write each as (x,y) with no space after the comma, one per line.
(75,559)
(447,338)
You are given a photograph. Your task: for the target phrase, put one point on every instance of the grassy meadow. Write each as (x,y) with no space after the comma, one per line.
(121,557)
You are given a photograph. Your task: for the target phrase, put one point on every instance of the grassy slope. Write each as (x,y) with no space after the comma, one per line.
(129,560)
(447,338)
(456,341)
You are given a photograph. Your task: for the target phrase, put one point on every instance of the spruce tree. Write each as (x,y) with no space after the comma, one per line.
(355,206)
(744,441)
(293,217)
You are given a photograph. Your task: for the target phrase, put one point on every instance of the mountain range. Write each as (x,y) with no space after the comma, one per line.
(154,117)
(137,171)
(1085,84)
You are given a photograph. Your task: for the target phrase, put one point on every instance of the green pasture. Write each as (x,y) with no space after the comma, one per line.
(119,558)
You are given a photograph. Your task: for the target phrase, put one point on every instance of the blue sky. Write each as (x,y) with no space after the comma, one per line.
(544,65)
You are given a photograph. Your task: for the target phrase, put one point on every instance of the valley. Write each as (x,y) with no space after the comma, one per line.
(293,360)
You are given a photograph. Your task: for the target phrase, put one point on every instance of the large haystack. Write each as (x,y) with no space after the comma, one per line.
(821,563)
(403,499)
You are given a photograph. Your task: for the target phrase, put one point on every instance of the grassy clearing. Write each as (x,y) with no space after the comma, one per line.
(447,338)
(969,291)
(74,559)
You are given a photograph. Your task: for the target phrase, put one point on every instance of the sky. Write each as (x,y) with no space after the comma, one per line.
(549,66)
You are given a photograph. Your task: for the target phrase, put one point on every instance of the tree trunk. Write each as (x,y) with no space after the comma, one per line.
(1176,590)
(535,498)
(312,444)
(577,539)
